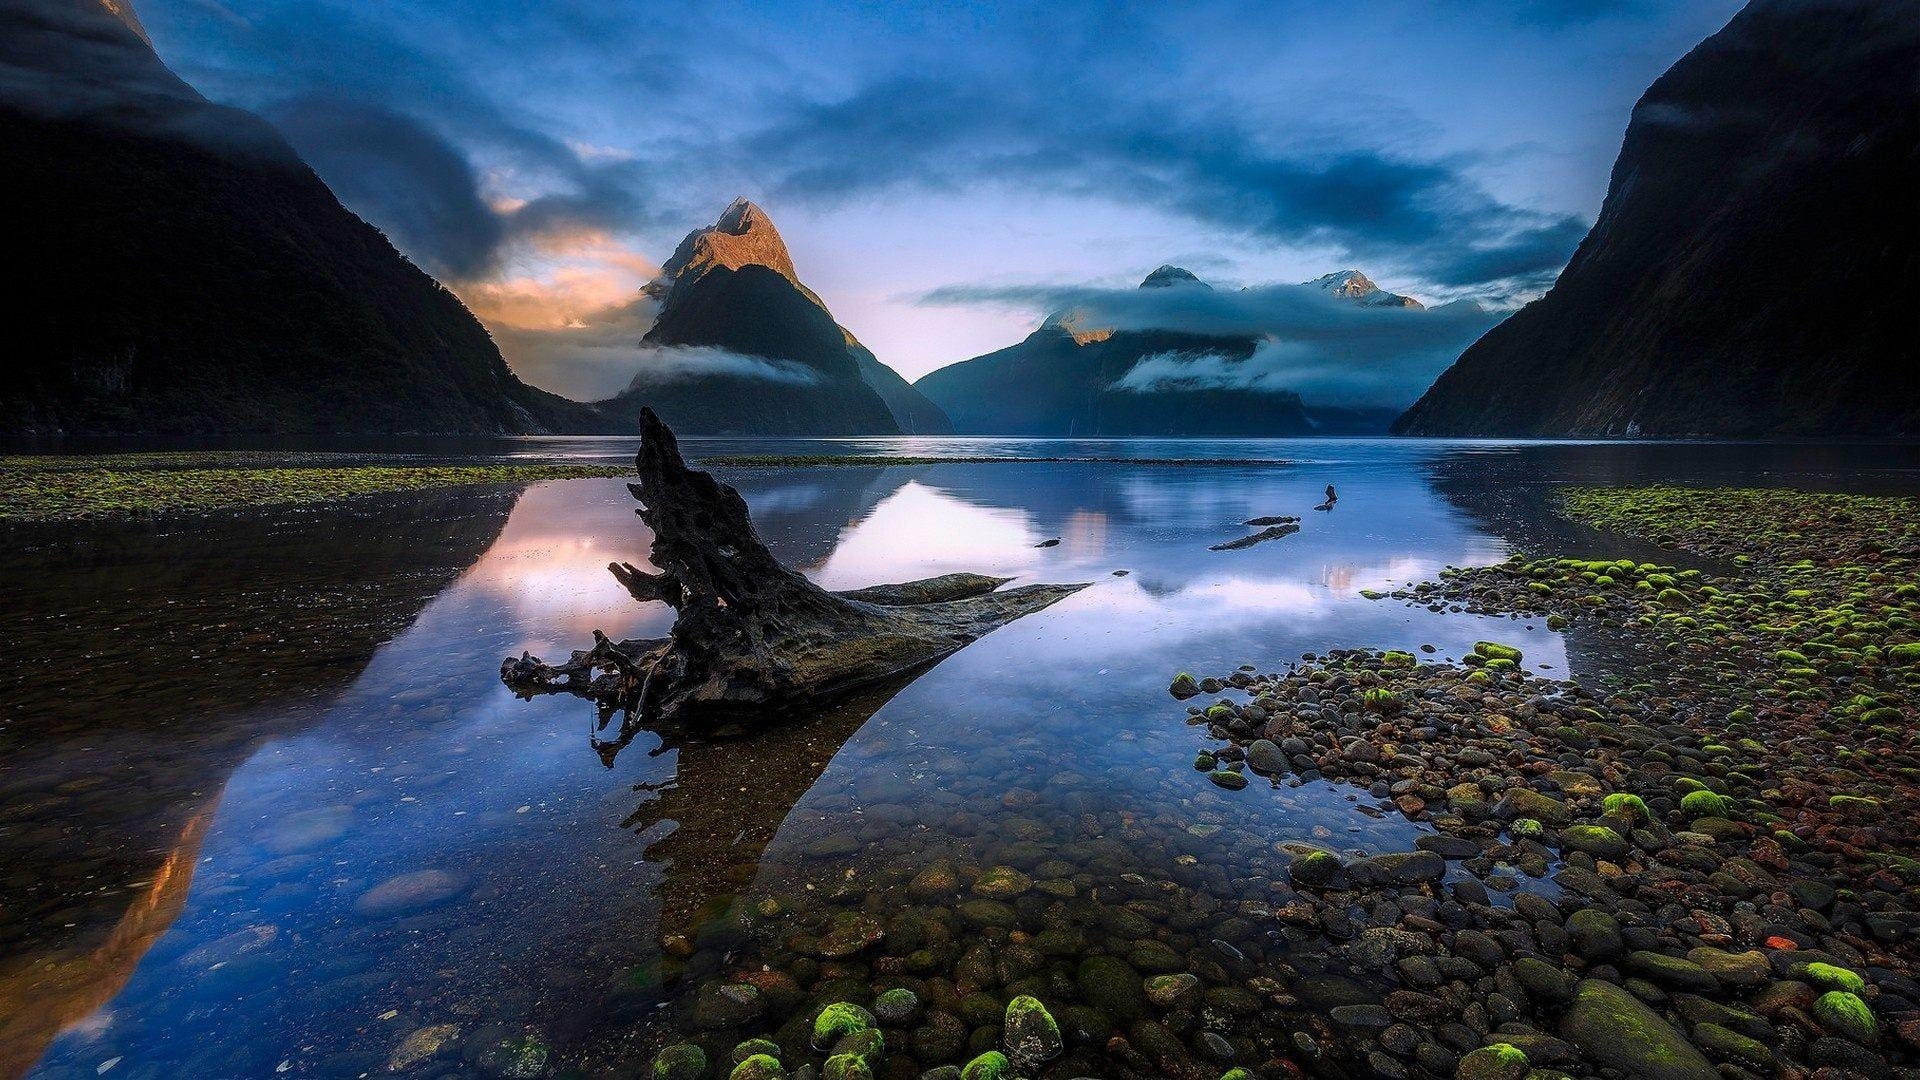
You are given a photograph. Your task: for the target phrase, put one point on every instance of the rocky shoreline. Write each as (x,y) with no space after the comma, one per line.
(1700,867)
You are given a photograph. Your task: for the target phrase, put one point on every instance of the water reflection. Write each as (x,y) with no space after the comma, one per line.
(151,663)
(269,769)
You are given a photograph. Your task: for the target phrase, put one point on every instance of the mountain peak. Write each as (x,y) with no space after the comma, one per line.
(1354,285)
(1169,275)
(741,217)
(743,236)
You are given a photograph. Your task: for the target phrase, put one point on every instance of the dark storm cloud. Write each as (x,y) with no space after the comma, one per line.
(421,190)
(403,175)
(1331,350)
(1422,217)
(404,127)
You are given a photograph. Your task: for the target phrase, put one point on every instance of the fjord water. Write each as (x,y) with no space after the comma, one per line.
(266,809)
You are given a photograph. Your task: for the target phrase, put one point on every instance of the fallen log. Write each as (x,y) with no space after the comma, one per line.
(753,636)
(1272,532)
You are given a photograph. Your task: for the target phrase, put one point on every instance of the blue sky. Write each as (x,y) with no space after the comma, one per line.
(543,158)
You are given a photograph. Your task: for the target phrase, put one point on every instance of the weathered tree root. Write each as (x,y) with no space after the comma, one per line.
(752,636)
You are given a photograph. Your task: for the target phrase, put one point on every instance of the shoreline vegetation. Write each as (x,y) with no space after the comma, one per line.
(768,461)
(118,487)
(1699,866)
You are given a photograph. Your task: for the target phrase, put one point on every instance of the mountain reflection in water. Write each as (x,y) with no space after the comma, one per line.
(299,725)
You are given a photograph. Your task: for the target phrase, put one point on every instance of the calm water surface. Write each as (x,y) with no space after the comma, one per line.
(265,808)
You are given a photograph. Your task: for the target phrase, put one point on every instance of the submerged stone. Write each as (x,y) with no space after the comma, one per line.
(1030,1035)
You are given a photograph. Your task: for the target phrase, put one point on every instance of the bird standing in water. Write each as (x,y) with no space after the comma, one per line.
(1331,499)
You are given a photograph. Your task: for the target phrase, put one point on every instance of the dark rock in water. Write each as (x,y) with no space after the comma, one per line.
(1112,986)
(727,1005)
(1398,868)
(1282,519)
(1316,869)
(1266,757)
(1273,532)
(414,891)
(1055,542)
(1771,165)
(1228,779)
(1030,1034)
(1614,1028)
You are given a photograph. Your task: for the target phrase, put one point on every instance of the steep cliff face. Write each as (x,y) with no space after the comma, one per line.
(184,271)
(1753,270)
(741,346)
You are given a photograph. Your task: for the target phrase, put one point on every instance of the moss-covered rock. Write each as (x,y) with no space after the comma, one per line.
(1830,977)
(846,1067)
(1030,1034)
(759,1067)
(1500,1061)
(1594,840)
(1613,1028)
(838,1020)
(681,1061)
(1493,650)
(992,1065)
(1626,806)
(1846,1015)
(1704,803)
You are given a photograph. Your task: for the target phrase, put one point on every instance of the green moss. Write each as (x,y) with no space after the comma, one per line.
(759,1067)
(1493,650)
(1847,1015)
(992,1065)
(1228,779)
(85,494)
(837,1020)
(681,1061)
(1704,803)
(1831,977)
(846,1067)
(1184,686)
(1381,700)
(1625,805)
(1500,1061)
(1394,658)
(1526,829)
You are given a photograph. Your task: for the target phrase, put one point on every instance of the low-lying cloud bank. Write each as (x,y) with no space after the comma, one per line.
(1329,350)
(672,363)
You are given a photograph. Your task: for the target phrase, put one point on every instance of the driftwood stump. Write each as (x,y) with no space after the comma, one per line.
(752,636)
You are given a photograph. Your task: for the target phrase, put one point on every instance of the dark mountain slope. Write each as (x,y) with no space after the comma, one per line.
(1066,379)
(1055,383)
(184,271)
(743,347)
(1754,269)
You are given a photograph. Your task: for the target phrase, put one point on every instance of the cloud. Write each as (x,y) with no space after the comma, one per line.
(1329,350)
(403,175)
(671,363)
(592,357)
(1422,217)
